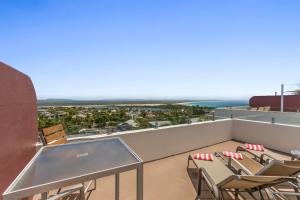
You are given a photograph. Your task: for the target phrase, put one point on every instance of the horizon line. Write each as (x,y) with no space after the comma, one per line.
(146,99)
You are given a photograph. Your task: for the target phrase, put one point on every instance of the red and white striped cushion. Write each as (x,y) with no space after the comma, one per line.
(255,147)
(238,156)
(203,156)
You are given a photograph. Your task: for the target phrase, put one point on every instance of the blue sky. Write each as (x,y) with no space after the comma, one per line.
(208,49)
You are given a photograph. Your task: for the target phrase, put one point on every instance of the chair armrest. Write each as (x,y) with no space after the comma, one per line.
(237,166)
(267,160)
(239,172)
(240,148)
(233,164)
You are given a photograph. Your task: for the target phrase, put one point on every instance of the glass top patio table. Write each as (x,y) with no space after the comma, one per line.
(62,165)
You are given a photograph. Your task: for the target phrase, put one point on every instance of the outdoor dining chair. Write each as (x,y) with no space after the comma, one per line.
(53,135)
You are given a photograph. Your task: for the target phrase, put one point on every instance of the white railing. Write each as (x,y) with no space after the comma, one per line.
(291,118)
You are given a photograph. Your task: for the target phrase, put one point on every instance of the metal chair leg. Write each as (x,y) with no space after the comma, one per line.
(44,195)
(188,163)
(236,193)
(221,197)
(260,194)
(82,194)
(199,183)
(296,189)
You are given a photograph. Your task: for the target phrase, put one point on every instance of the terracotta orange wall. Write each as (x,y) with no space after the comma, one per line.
(18,123)
(291,102)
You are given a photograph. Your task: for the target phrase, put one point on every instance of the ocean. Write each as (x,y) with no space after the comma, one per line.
(219,103)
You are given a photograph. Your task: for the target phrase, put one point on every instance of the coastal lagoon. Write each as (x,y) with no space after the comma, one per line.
(219,103)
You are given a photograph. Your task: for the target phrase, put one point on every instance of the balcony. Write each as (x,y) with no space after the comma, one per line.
(164,150)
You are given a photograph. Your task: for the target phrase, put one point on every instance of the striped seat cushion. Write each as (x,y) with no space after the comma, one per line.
(204,156)
(238,156)
(255,147)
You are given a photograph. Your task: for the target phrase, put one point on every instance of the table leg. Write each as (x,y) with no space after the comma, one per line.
(117,186)
(82,192)
(139,193)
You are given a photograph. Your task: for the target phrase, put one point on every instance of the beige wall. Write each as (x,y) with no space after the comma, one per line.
(279,137)
(164,142)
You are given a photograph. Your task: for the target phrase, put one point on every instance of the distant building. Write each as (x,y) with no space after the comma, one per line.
(80,116)
(47,114)
(150,115)
(41,110)
(62,113)
(160,123)
(291,102)
(128,125)
(193,120)
(92,131)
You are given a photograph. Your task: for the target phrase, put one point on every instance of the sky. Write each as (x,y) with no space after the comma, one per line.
(156,49)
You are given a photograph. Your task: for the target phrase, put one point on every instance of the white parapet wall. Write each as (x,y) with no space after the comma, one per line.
(168,141)
(152,144)
(280,137)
